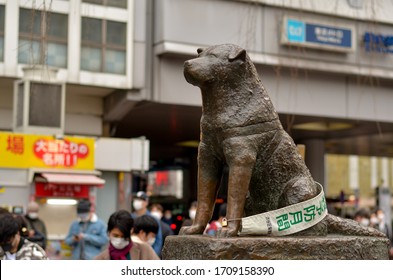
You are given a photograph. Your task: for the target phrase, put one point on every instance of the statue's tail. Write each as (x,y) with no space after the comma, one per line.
(338,225)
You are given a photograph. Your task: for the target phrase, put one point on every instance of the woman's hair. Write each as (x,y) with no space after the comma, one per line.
(158,206)
(23,225)
(9,226)
(146,223)
(123,221)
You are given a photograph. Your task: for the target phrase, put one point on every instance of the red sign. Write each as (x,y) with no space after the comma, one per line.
(162,178)
(61,190)
(60,153)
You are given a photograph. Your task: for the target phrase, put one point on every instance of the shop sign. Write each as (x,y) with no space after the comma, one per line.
(60,190)
(378,43)
(318,35)
(26,151)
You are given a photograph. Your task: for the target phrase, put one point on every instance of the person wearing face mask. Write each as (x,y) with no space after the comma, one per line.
(191,214)
(156,210)
(121,247)
(88,234)
(37,228)
(167,217)
(362,216)
(373,220)
(381,223)
(145,230)
(140,203)
(13,245)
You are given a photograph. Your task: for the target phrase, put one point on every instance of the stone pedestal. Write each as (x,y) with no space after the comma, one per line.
(331,247)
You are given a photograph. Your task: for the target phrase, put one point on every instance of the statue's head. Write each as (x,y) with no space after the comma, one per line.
(215,63)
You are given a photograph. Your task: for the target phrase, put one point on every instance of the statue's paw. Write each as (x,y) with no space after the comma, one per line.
(189,230)
(227,232)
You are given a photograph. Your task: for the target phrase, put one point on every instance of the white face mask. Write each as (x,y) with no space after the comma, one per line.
(33,215)
(84,217)
(374,220)
(137,204)
(119,243)
(151,241)
(192,214)
(156,214)
(365,222)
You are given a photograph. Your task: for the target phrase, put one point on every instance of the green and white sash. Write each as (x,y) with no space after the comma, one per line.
(287,220)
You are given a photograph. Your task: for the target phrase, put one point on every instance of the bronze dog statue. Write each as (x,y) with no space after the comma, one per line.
(240,128)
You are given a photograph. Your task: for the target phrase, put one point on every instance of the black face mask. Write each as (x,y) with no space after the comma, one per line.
(6,247)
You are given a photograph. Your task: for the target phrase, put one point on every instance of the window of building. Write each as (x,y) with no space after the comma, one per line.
(103,46)
(111,3)
(2,19)
(43,38)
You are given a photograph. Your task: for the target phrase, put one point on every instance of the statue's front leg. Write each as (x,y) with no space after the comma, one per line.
(209,174)
(241,160)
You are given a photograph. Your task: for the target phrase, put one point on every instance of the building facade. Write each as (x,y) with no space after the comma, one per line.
(327,66)
(59,61)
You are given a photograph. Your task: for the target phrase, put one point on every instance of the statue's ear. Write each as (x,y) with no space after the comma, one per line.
(238,54)
(199,50)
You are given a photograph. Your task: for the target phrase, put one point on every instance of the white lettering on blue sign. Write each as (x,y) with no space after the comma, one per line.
(338,37)
(314,35)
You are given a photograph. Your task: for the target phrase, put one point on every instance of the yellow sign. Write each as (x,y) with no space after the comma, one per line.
(26,151)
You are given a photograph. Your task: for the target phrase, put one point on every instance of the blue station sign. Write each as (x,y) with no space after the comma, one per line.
(378,43)
(317,35)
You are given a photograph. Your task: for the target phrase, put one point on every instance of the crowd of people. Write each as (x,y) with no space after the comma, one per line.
(137,235)
(375,219)
(15,231)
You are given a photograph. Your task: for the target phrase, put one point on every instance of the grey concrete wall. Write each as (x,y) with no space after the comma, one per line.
(300,90)
(207,22)
(170,85)
(107,197)
(294,92)
(15,196)
(305,92)
(139,45)
(258,29)
(370,102)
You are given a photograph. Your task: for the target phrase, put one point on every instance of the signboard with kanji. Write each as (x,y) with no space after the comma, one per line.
(26,151)
(318,35)
(61,190)
(308,214)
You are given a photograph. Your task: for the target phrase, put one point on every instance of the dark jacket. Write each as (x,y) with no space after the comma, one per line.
(139,251)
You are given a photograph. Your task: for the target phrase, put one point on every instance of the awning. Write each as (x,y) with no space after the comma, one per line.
(75,179)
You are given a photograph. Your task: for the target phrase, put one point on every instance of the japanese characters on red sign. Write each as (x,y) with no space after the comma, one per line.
(60,153)
(57,190)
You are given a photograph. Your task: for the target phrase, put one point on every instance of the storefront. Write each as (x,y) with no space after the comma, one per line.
(57,172)
(42,167)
